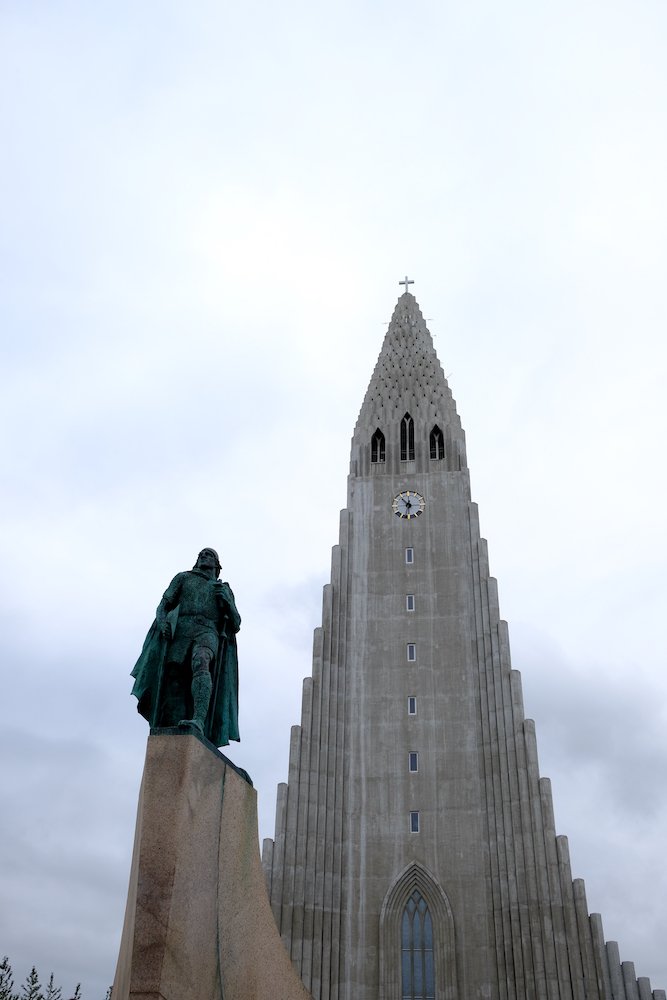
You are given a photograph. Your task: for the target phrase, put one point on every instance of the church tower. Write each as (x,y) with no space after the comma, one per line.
(415,853)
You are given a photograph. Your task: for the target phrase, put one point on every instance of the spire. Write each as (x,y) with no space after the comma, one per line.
(408,375)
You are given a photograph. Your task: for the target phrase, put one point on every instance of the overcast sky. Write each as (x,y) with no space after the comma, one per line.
(205,209)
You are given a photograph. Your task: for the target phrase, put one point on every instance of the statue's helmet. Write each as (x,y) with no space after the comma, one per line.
(213,553)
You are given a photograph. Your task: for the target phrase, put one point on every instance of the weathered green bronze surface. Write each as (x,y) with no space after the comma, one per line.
(187,673)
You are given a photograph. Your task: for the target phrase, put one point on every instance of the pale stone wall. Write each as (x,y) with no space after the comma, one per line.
(198,924)
(509,921)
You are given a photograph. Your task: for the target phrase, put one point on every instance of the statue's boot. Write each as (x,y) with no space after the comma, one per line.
(202,685)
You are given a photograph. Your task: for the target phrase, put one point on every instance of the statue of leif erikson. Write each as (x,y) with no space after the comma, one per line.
(187,673)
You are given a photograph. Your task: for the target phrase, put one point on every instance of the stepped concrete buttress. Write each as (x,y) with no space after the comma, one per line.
(198,924)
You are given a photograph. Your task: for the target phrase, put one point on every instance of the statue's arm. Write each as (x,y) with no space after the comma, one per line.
(229,606)
(169,601)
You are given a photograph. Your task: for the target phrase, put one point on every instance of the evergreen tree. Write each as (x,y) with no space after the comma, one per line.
(6,981)
(108,996)
(77,992)
(31,989)
(52,992)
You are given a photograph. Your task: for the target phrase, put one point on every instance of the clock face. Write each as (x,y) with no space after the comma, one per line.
(408,504)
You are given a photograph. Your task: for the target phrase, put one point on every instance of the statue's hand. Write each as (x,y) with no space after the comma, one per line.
(165,628)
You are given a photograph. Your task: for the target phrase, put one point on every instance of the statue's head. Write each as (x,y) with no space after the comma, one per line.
(208,559)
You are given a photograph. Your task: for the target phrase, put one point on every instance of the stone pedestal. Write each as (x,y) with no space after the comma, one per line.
(198,924)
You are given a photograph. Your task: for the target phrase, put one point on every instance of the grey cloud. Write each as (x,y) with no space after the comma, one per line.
(183,219)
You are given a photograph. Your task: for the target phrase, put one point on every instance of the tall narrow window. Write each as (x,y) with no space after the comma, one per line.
(417,950)
(409,602)
(412,705)
(407,439)
(412,651)
(413,761)
(409,556)
(414,822)
(377,446)
(437,443)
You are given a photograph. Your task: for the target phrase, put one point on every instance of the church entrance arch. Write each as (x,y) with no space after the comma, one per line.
(417,946)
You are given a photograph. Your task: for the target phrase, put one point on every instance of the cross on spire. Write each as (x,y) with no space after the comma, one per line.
(408,281)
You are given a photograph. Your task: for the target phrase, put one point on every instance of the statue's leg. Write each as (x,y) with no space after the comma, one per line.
(202,685)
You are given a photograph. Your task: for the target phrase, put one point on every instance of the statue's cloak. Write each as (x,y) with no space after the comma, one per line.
(222,721)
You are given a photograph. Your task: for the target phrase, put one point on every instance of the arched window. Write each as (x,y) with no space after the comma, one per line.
(407,439)
(377,446)
(437,443)
(417,939)
(417,950)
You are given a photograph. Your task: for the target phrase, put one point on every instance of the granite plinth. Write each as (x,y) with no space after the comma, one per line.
(198,925)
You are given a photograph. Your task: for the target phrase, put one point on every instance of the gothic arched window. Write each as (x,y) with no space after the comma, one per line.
(407,439)
(417,939)
(377,446)
(437,443)
(417,950)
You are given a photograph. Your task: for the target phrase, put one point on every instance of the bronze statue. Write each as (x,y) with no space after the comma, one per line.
(187,673)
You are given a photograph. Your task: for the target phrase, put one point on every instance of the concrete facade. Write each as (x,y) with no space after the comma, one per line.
(508,921)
